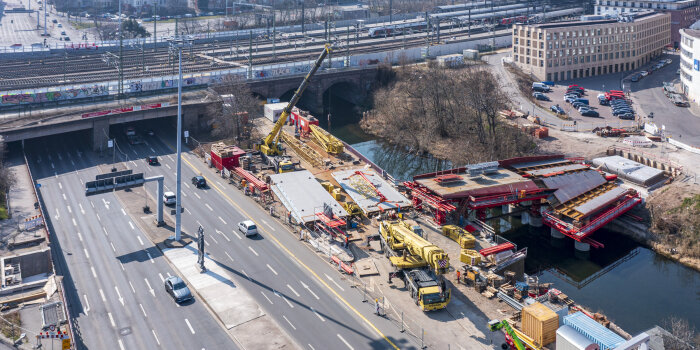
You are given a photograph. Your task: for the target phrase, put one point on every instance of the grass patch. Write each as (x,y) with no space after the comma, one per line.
(3,207)
(691,202)
(82,25)
(6,327)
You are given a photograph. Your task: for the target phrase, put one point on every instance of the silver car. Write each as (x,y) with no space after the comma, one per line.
(177,289)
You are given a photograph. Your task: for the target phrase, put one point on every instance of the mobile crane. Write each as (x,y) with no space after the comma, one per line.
(419,262)
(269,146)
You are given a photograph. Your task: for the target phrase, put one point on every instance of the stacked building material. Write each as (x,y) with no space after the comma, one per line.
(540,323)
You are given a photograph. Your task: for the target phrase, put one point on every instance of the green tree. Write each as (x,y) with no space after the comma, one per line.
(132,29)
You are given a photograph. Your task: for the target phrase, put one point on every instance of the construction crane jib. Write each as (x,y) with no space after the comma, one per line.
(270,144)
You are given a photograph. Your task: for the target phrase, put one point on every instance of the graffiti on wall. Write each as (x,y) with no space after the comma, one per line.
(51,96)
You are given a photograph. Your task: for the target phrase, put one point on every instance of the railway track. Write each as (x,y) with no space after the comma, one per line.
(88,67)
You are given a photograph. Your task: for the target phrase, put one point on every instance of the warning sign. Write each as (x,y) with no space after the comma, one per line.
(66,344)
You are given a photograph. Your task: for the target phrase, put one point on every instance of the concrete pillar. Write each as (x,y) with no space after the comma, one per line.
(100,134)
(525,218)
(582,247)
(535,220)
(506,209)
(555,233)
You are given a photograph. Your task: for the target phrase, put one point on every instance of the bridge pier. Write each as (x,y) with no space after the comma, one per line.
(535,219)
(582,247)
(525,218)
(100,134)
(555,233)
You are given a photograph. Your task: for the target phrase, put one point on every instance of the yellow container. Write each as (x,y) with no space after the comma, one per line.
(467,241)
(540,323)
(470,257)
(328,186)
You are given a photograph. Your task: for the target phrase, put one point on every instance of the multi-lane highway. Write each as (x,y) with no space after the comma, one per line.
(115,281)
(113,273)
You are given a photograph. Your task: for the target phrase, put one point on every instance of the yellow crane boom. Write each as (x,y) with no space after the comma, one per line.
(269,145)
(421,251)
(329,142)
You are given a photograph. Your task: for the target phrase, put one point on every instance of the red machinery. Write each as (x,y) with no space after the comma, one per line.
(420,195)
(497,249)
(223,156)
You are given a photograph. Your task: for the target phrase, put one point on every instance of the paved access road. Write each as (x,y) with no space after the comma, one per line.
(307,297)
(112,273)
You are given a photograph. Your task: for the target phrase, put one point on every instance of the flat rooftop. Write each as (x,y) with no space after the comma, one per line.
(303,195)
(630,170)
(371,204)
(499,181)
(635,17)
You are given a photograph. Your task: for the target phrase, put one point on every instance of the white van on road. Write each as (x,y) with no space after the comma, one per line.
(248,228)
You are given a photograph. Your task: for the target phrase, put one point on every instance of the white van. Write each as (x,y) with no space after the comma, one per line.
(248,228)
(169,198)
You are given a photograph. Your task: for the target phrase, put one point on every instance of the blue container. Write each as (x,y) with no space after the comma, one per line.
(593,330)
(521,286)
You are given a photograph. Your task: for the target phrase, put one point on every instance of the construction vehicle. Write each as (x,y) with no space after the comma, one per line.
(269,146)
(281,164)
(329,142)
(515,339)
(419,262)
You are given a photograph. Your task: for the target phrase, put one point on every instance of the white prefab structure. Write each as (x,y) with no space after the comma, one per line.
(274,110)
(570,339)
(455,60)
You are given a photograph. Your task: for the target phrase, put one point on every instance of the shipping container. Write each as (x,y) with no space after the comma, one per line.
(454,60)
(223,156)
(303,119)
(274,110)
(594,331)
(470,257)
(540,323)
(471,54)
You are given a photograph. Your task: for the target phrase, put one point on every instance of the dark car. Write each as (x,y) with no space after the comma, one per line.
(540,96)
(557,109)
(66,39)
(177,289)
(578,104)
(199,181)
(651,115)
(626,116)
(635,78)
(574,92)
(152,160)
(590,113)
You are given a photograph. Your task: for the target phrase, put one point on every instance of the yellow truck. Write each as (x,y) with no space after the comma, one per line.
(419,262)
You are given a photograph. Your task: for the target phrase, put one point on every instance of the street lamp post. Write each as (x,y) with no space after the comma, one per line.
(178,43)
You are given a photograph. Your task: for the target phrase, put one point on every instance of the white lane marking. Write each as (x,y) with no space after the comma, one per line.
(220,184)
(288,303)
(131,225)
(271,269)
(150,290)
(310,291)
(186,184)
(52,166)
(268,299)
(184,194)
(98,215)
(60,186)
(221,233)
(132,287)
(121,345)
(246,275)
(133,163)
(133,150)
(214,239)
(75,223)
(87,305)
(345,341)
(106,203)
(166,164)
(237,235)
(169,157)
(168,274)
(206,242)
(197,195)
(59,156)
(229,256)
(334,282)
(102,294)
(69,209)
(152,150)
(111,320)
(94,274)
(293,291)
(155,336)
(290,323)
(81,180)
(121,300)
(57,214)
(208,206)
(86,252)
(198,223)
(311,347)
(82,211)
(222,220)
(318,315)
(122,266)
(143,310)
(55,174)
(80,237)
(254,252)
(72,163)
(150,258)
(139,238)
(64,197)
(161,278)
(105,230)
(189,326)
(112,244)
(188,211)
(123,211)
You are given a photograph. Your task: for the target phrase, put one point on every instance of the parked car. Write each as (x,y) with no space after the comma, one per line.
(177,289)
(557,109)
(669,61)
(644,73)
(629,116)
(540,96)
(54,21)
(578,104)
(570,99)
(169,198)
(66,38)
(590,113)
(635,78)
(678,71)
(60,25)
(152,160)
(248,228)
(63,32)
(199,181)
(651,115)
(584,108)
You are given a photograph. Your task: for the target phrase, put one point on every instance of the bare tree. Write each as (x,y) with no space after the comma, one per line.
(683,336)
(237,106)
(7,177)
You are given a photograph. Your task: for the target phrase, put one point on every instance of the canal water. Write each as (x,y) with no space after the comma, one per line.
(629,283)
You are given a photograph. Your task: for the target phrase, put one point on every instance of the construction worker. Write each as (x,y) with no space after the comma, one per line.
(458,273)
(346,241)
(376,304)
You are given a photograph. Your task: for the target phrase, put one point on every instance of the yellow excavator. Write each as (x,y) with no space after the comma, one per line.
(418,261)
(269,146)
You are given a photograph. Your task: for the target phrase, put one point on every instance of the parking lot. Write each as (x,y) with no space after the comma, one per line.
(556,96)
